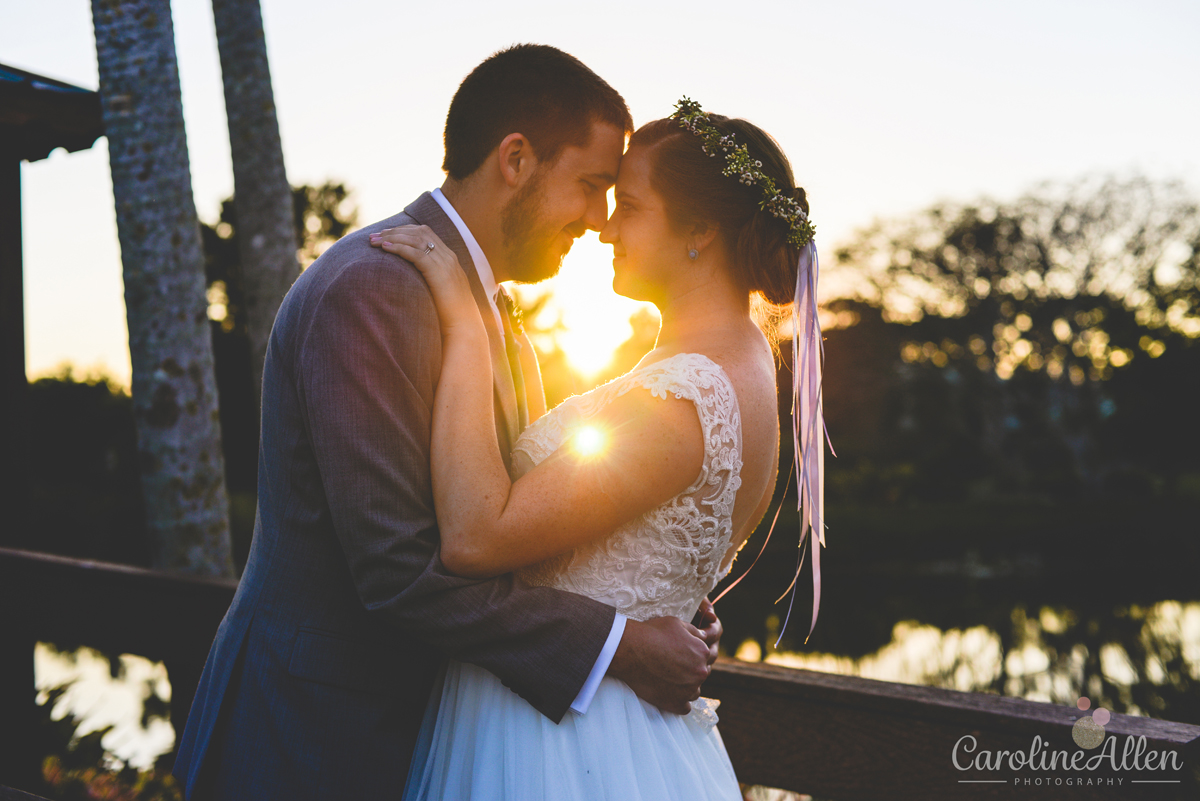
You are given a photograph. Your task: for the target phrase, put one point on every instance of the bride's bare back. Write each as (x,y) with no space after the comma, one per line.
(747,359)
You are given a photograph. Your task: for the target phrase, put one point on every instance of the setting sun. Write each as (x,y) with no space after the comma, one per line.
(595,319)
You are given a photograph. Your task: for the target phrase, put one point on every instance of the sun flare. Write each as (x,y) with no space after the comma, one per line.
(588,441)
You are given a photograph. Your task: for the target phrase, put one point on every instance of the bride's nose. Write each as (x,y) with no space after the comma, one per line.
(611,231)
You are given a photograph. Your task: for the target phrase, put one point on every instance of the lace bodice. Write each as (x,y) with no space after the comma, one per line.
(666,561)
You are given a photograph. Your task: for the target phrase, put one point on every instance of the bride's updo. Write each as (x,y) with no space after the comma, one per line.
(695,192)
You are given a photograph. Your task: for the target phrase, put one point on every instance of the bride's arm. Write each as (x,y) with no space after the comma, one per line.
(651,449)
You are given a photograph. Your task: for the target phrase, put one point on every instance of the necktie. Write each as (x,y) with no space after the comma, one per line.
(512,348)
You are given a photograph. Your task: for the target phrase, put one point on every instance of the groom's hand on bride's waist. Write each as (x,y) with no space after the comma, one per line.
(710,627)
(665,660)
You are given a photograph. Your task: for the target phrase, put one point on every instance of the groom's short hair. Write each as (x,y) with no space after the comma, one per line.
(549,96)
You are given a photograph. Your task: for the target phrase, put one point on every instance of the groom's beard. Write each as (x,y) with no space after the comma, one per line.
(534,250)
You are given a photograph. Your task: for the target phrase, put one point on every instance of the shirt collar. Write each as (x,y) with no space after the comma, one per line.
(486,277)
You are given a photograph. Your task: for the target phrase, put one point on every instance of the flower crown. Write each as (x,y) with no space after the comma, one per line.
(747,170)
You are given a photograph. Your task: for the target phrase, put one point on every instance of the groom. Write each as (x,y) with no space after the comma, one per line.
(319,674)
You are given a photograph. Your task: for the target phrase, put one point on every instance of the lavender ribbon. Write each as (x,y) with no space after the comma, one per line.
(808,423)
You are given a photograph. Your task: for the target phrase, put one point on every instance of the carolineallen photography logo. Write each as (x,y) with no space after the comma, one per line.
(1099,759)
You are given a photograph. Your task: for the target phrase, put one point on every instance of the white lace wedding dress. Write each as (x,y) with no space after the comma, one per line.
(480,740)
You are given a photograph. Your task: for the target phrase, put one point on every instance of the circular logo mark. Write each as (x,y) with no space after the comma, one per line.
(1088,731)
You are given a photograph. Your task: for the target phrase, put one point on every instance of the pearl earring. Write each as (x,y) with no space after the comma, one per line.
(693,253)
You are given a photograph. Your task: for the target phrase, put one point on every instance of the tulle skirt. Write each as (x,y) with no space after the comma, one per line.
(481,741)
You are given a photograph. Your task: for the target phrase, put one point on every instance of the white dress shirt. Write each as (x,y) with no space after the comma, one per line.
(486,277)
(584,699)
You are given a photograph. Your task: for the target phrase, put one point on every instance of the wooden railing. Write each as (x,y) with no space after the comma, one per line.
(833,736)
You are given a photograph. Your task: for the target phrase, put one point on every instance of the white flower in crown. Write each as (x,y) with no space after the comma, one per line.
(748,171)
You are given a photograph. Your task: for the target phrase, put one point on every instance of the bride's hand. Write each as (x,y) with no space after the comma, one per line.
(447,282)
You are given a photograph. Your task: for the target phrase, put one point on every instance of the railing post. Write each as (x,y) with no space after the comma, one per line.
(20,762)
(14,389)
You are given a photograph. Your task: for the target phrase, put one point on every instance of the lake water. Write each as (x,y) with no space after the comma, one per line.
(99,698)
(1136,659)
(1042,667)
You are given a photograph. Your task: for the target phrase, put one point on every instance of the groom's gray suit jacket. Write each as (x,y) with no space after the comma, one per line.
(318,677)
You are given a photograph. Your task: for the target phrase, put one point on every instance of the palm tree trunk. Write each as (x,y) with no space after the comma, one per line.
(266,231)
(170,345)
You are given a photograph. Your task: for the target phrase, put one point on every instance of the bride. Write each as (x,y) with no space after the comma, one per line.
(639,493)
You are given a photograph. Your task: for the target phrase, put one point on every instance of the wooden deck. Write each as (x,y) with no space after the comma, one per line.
(836,737)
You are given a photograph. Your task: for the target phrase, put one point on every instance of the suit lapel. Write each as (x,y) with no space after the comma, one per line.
(426,211)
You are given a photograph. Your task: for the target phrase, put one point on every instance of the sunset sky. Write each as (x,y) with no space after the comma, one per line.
(883,108)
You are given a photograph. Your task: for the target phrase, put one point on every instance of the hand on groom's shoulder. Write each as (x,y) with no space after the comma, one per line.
(365,286)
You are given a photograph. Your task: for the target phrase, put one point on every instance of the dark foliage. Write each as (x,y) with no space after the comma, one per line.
(977,475)
(79,769)
(1047,346)
(83,473)
(85,493)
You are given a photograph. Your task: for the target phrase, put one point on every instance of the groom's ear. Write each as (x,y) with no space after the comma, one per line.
(515,159)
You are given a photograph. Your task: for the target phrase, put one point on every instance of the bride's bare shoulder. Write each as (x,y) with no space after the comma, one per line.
(748,361)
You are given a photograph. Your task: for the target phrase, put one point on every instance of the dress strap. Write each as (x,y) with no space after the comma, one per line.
(697,378)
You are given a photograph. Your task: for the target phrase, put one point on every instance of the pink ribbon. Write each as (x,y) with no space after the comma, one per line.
(809,433)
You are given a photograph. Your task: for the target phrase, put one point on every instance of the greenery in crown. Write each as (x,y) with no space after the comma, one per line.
(748,171)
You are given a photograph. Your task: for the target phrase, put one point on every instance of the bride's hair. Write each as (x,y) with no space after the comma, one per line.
(696,193)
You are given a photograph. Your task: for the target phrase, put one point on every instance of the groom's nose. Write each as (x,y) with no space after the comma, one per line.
(596,214)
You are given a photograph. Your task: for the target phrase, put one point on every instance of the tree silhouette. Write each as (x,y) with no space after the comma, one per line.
(1076,280)
(267,247)
(1044,345)
(174,391)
